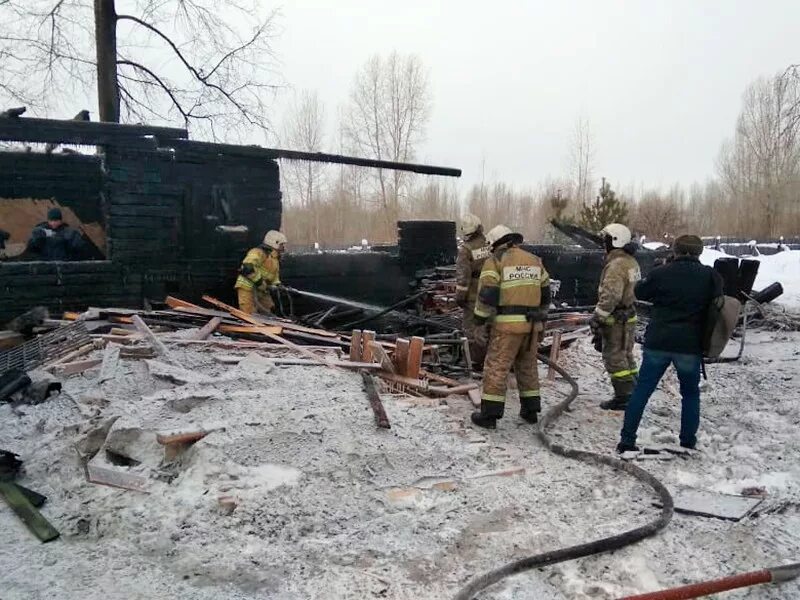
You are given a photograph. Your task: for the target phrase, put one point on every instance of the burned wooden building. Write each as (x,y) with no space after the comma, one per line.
(164,215)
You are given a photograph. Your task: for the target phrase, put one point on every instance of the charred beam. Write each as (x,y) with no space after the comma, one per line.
(81,132)
(277,153)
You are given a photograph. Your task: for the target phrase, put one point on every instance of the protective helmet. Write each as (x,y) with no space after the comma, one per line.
(470,224)
(275,240)
(498,234)
(619,234)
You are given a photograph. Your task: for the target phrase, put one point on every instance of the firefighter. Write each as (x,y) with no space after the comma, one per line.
(614,319)
(259,272)
(515,285)
(471,255)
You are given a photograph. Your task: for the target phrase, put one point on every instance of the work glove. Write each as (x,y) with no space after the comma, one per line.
(597,323)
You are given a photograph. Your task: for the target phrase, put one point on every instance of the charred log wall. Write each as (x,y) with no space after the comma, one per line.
(173,222)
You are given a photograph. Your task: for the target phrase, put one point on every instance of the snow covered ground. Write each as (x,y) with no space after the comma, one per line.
(783,267)
(331,507)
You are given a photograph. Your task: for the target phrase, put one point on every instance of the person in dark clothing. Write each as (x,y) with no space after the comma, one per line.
(55,240)
(680,292)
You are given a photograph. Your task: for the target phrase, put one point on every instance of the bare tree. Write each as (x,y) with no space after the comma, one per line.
(581,158)
(656,215)
(207,63)
(304,129)
(760,167)
(386,118)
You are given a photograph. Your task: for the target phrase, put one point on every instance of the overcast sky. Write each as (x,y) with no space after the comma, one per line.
(659,80)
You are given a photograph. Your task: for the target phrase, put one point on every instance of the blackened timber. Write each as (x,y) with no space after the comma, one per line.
(82,132)
(381,419)
(275,153)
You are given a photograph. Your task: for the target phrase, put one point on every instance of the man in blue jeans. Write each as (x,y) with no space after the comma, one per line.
(680,292)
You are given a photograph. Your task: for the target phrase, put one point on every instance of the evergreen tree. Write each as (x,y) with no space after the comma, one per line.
(605,209)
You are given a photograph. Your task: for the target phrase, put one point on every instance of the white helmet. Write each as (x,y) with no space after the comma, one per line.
(275,240)
(470,224)
(497,233)
(619,234)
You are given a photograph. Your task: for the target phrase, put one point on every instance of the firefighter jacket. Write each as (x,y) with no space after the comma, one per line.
(515,284)
(471,256)
(615,294)
(260,269)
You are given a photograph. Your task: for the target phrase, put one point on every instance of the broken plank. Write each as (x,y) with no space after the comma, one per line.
(74,368)
(185,437)
(409,381)
(475,397)
(414,363)
(262,320)
(27,512)
(381,419)
(355,345)
(206,330)
(157,344)
(401,356)
(265,330)
(109,363)
(344,364)
(382,357)
(448,391)
(247,329)
(70,357)
(367,341)
(555,350)
(507,472)
(117,479)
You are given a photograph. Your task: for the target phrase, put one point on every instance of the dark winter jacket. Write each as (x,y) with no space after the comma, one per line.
(680,293)
(63,243)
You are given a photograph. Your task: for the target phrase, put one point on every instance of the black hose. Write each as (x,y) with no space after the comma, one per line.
(369,318)
(614,542)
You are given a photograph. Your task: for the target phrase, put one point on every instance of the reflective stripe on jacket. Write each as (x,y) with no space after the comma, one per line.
(512,279)
(266,269)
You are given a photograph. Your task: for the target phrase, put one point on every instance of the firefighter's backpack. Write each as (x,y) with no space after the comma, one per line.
(723,315)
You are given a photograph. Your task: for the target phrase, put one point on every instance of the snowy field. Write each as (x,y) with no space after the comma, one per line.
(331,507)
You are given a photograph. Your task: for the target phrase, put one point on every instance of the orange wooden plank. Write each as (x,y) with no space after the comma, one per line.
(355,345)
(414,363)
(367,339)
(401,356)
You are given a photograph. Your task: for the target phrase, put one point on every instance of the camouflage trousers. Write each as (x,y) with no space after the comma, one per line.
(507,350)
(477,335)
(618,356)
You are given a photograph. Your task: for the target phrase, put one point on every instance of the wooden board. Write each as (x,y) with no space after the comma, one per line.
(248,329)
(381,419)
(118,479)
(27,512)
(382,357)
(261,320)
(209,328)
(158,345)
(414,363)
(74,368)
(367,344)
(401,356)
(355,345)
(109,364)
(265,331)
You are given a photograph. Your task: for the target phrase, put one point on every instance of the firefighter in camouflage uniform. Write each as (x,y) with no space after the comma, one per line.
(515,286)
(471,255)
(614,320)
(259,272)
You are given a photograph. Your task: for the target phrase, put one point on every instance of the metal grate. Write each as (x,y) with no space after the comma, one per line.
(45,348)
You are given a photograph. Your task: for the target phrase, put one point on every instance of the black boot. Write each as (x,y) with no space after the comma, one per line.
(529,409)
(622,448)
(485,421)
(488,414)
(622,393)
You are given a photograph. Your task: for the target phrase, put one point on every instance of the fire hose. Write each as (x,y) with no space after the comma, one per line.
(607,544)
